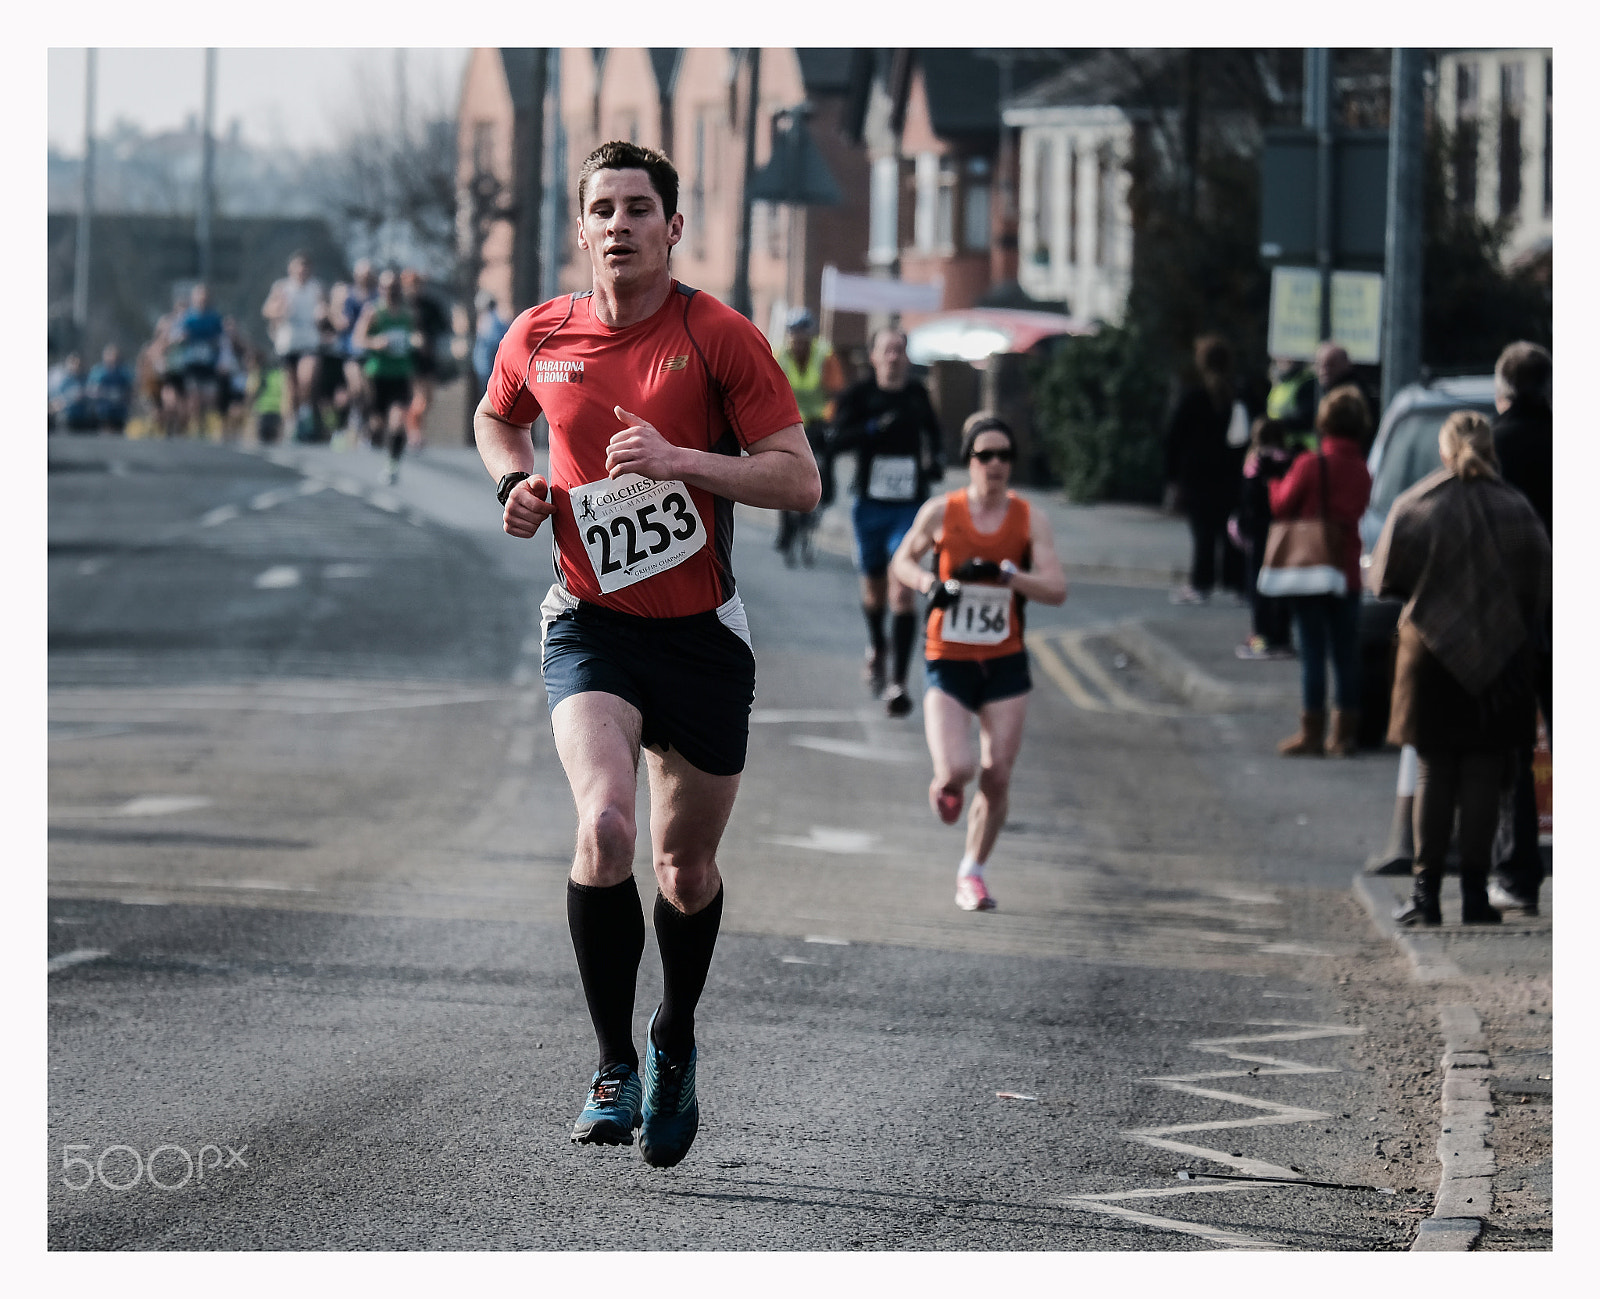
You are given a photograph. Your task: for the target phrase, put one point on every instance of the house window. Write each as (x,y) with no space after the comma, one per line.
(926,218)
(975,217)
(1548,189)
(1044,195)
(883,243)
(1072,203)
(1512,87)
(1464,165)
(1105,197)
(944,225)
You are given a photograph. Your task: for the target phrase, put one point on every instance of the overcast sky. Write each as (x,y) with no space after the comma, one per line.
(280,96)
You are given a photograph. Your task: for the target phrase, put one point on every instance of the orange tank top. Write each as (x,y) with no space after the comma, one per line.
(986,622)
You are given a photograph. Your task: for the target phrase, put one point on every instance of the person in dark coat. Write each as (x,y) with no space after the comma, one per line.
(1269,459)
(1522,444)
(1470,557)
(1205,448)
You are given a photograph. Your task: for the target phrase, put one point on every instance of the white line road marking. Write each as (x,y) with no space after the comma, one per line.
(825,838)
(826,941)
(305,698)
(1162,1137)
(1216,1235)
(799,960)
(78,956)
(277,496)
(163,805)
(853,749)
(809,716)
(89,567)
(277,578)
(340,571)
(219,515)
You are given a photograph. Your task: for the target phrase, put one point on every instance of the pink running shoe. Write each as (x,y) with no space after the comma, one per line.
(946,804)
(971,895)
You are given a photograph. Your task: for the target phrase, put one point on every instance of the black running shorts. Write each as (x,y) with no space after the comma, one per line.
(692,679)
(974,683)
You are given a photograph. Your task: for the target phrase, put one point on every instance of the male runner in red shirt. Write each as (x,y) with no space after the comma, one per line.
(652,391)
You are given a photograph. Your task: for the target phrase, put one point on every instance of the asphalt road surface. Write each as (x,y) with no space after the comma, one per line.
(311,985)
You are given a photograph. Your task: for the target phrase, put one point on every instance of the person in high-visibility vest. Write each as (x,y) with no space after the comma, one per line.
(816,377)
(1292,400)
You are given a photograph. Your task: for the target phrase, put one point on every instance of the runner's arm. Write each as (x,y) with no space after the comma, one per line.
(1045,581)
(779,473)
(363,340)
(906,566)
(508,448)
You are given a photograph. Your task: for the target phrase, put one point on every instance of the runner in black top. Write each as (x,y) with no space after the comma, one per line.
(889,422)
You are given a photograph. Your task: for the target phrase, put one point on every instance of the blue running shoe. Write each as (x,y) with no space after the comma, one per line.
(671,1113)
(611,1112)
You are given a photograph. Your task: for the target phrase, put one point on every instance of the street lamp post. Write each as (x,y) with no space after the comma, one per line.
(208,148)
(80,269)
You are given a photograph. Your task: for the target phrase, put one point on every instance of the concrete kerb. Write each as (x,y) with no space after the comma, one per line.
(1465,1148)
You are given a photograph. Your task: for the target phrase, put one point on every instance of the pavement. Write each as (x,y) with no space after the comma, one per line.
(1495,1052)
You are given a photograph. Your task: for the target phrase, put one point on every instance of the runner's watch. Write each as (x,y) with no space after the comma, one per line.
(509,481)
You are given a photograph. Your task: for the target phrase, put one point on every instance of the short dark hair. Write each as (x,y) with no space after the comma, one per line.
(1343,414)
(1523,370)
(624,155)
(981,422)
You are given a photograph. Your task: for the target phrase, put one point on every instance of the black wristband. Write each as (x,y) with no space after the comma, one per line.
(508,482)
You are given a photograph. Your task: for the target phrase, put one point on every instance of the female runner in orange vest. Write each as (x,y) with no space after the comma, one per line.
(992,552)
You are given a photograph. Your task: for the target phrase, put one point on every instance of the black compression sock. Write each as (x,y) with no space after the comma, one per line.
(904,629)
(607,925)
(874,619)
(686,944)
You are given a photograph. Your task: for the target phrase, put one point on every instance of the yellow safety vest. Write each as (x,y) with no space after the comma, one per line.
(1281,400)
(807,383)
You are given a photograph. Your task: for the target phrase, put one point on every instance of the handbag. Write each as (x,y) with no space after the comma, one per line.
(1302,555)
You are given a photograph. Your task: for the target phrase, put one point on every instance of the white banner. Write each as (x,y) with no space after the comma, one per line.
(863,293)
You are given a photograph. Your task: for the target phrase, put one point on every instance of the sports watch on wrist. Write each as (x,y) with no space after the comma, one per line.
(508,482)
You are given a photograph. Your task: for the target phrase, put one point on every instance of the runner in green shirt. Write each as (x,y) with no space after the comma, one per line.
(385,332)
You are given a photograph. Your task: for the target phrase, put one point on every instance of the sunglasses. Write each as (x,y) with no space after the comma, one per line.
(984,457)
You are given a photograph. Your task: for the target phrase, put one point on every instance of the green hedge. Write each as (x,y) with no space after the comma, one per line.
(1099,402)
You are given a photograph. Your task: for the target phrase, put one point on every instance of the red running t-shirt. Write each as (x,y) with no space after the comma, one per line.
(698,371)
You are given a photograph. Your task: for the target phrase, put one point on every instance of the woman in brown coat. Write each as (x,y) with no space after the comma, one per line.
(1469,556)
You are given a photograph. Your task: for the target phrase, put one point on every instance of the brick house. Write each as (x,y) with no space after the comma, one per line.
(690,104)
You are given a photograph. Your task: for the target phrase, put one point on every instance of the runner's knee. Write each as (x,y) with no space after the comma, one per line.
(606,838)
(687,880)
(994,781)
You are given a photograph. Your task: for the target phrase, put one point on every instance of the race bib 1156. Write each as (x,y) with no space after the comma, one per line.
(981,616)
(635,527)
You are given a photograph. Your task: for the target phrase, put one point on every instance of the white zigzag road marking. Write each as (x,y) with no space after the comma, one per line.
(1277,1113)
(1216,1235)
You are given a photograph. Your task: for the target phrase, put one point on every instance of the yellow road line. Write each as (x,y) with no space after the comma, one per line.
(1061,674)
(1072,645)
